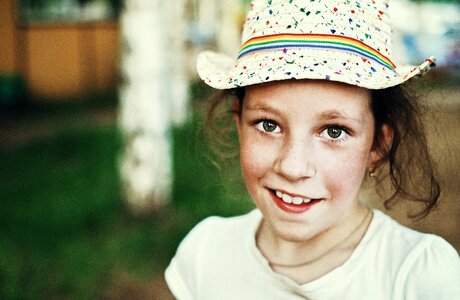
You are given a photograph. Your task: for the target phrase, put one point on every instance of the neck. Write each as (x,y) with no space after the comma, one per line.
(342,237)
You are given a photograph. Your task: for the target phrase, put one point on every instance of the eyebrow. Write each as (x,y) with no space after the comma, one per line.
(263,107)
(333,114)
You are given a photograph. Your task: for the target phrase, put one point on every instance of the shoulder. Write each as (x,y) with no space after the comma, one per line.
(431,271)
(204,248)
(396,235)
(406,243)
(216,231)
(219,229)
(424,266)
(403,242)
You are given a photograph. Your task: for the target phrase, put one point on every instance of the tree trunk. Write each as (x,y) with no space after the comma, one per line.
(178,87)
(153,85)
(229,33)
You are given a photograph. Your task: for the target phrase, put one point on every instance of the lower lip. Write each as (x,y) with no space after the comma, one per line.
(293,208)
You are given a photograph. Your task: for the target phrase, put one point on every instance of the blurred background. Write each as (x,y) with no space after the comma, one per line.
(103,168)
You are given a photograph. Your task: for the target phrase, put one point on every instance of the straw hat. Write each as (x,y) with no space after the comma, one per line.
(340,40)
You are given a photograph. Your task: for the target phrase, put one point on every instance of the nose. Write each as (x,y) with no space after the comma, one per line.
(296,160)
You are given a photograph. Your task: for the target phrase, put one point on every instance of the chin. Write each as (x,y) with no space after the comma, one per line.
(295,233)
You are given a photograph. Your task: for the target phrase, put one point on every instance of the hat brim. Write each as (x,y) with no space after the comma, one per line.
(222,72)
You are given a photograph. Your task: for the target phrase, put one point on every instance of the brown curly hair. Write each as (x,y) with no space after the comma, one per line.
(406,161)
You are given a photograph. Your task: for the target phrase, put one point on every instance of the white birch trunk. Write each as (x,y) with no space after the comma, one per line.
(178,87)
(148,97)
(208,19)
(229,30)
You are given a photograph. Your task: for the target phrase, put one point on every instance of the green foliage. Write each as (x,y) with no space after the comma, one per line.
(64,229)
(57,196)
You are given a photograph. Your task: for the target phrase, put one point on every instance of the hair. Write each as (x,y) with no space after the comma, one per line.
(409,165)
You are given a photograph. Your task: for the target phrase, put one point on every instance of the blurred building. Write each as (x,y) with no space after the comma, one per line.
(60,51)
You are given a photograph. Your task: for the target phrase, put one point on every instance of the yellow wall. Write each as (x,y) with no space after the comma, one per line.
(58,60)
(52,61)
(69,60)
(8,37)
(106,49)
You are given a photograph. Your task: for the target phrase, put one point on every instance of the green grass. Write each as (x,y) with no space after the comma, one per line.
(64,229)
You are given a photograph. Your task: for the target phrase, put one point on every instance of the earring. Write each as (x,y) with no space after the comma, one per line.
(372,173)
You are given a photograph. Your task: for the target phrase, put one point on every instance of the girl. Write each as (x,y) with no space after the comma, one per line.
(317,107)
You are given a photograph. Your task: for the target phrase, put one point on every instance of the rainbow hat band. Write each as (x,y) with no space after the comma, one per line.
(314,41)
(345,41)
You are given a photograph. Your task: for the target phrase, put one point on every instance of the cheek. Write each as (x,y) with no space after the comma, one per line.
(345,174)
(255,160)
(251,163)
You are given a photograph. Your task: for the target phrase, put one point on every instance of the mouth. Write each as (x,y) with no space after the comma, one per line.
(290,203)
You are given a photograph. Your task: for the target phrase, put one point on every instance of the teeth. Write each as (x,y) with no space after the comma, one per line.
(297,200)
(289,199)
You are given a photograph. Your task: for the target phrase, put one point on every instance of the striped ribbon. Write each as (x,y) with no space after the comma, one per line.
(316,41)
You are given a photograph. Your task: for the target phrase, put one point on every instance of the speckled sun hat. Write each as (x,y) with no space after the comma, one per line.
(341,40)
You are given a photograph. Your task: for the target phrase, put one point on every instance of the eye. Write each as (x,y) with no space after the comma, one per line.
(334,133)
(268,126)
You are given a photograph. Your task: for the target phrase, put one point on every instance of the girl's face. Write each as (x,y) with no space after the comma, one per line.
(305,147)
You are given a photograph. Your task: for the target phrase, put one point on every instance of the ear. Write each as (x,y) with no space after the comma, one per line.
(379,151)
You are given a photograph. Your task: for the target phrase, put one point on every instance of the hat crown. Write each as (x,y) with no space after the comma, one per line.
(339,40)
(366,21)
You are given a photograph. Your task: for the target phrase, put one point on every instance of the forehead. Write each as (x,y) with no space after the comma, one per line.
(304,96)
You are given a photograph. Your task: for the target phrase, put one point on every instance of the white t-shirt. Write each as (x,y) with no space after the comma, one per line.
(219,259)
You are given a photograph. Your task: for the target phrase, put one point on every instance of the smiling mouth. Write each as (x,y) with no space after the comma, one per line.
(291,199)
(292,203)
